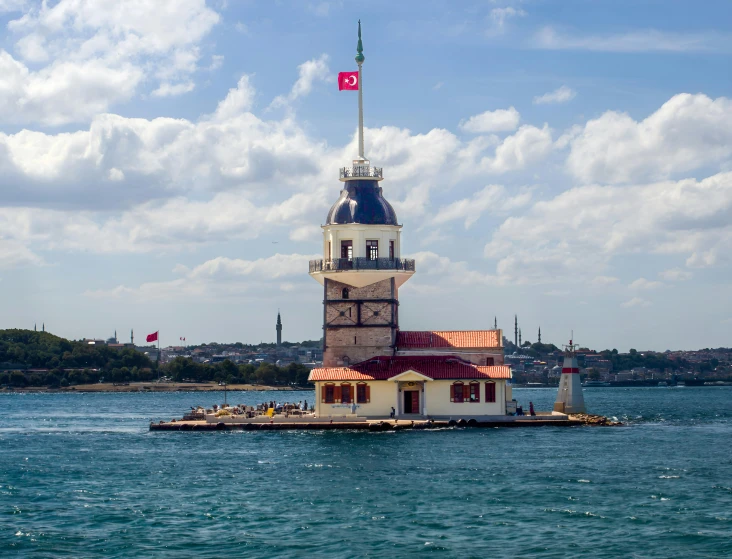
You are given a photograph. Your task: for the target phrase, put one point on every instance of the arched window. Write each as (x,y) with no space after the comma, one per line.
(490,391)
(329,394)
(346,394)
(474,391)
(345,293)
(363,393)
(457,392)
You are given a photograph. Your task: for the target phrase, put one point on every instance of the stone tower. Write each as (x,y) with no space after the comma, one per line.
(279,329)
(362,269)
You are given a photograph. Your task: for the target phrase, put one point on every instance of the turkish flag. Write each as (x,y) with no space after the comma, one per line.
(348,81)
(152,337)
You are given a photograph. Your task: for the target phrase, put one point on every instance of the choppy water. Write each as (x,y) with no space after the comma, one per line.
(81,476)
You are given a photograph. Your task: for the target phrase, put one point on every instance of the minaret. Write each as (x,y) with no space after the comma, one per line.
(115,336)
(515,330)
(361,270)
(495,323)
(539,334)
(132,337)
(569,397)
(279,329)
(520,342)
(44,327)
(35,327)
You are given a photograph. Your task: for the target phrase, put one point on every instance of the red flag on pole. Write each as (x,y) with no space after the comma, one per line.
(152,337)
(348,81)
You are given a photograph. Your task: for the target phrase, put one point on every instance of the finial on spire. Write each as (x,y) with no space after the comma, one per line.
(359,48)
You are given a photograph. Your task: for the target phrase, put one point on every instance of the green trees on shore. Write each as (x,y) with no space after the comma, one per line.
(30,358)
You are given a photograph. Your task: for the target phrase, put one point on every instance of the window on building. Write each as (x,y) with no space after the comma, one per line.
(345,393)
(329,394)
(347,250)
(346,362)
(490,391)
(372,250)
(330,254)
(457,392)
(391,250)
(474,392)
(363,393)
(489,361)
(345,293)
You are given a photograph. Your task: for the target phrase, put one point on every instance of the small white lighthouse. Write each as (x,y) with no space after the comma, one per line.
(569,397)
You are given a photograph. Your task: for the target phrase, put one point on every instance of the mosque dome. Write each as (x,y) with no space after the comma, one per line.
(362,201)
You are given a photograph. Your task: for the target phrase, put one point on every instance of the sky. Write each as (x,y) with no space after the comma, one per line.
(167,164)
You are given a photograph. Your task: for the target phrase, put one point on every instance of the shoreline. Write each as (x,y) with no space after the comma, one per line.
(153,387)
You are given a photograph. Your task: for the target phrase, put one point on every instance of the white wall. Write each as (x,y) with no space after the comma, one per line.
(359,234)
(436,398)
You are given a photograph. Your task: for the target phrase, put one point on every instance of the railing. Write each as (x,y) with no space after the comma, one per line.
(362,171)
(341,264)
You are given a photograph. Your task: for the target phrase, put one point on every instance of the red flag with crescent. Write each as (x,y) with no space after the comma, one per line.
(348,81)
(152,337)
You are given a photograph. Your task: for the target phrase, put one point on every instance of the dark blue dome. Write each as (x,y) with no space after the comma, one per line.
(362,201)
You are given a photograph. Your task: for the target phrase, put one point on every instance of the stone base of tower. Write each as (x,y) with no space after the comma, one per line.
(360,322)
(569,396)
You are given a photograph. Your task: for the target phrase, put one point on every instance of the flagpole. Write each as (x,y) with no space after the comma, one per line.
(158,356)
(359,60)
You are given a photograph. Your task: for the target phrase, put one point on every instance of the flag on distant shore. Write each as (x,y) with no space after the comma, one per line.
(182,339)
(348,81)
(152,337)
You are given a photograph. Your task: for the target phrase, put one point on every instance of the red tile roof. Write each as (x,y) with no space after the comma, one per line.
(384,368)
(450,338)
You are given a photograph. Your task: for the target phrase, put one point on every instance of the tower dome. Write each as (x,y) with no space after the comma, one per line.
(362,201)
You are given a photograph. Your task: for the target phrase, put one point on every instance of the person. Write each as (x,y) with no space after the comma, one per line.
(519,410)
(393,412)
(305,406)
(531,408)
(353,408)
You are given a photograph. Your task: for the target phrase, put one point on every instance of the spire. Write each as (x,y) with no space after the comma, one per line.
(520,342)
(515,330)
(35,327)
(44,327)
(278,328)
(539,334)
(132,337)
(115,335)
(495,323)
(359,60)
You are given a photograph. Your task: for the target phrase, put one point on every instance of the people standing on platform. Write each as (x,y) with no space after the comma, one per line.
(531,408)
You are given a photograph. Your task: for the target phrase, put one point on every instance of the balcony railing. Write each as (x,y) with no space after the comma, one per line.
(345,264)
(362,171)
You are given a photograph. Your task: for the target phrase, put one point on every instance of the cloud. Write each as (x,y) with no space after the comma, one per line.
(686,133)
(582,229)
(95,54)
(676,274)
(501,120)
(603,281)
(561,95)
(500,16)
(644,40)
(527,146)
(173,90)
(635,302)
(218,277)
(643,283)
(309,73)
(493,198)
(14,254)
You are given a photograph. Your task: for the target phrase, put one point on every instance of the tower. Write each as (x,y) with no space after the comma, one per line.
(43,327)
(115,336)
(361,270)
(279,329)
(495,323)
(569,396)
(132,337)
(520,341)
(515,330)
(539,334)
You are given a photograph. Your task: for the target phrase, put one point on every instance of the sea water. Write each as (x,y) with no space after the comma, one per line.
(82,476)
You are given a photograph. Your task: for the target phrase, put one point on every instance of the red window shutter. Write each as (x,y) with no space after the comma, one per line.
(323,393)
(368,393)
(490,391)
(452,392)
(466,393)
(477,392)
(337,394)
